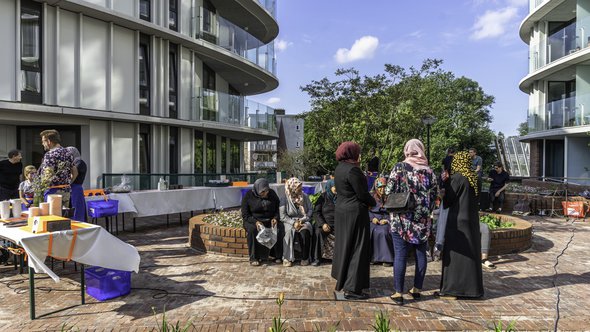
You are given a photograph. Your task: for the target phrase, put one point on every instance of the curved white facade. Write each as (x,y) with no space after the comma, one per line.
(558,85)
(139,86)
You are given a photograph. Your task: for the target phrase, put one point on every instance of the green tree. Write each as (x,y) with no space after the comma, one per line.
(523,129)
(384,111)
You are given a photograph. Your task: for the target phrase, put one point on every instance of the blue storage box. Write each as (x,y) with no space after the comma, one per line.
(103,284)
(309,190)
(245,191)
(102,208)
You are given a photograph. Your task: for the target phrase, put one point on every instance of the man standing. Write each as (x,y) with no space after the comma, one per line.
(499,181)
(11,170)
(477,167)
(61,163)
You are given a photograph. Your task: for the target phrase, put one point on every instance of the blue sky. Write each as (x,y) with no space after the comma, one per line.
(477,39)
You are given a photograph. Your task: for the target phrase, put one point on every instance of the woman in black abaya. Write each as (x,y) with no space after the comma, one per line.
(461,273)
(352,252)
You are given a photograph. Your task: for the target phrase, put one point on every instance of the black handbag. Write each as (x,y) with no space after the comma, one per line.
(401,202)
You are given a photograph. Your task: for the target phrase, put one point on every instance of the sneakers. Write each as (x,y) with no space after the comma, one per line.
(315,263)
(287,263)
(278,261)
(255,263)
(304,262)
(499,210)
(488,265)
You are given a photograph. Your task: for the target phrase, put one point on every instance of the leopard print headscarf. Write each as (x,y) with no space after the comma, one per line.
(462,164)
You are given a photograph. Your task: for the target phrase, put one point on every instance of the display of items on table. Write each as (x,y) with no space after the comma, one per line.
(162,184)
(104,284)
(218,183)
(43,224)
(123,187)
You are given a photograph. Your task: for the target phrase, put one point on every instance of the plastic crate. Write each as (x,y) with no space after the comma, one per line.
(102,208)
(244,191)
(309,190)
(104,284)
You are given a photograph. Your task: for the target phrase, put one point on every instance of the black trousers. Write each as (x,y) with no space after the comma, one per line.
(305,240)
(257,251)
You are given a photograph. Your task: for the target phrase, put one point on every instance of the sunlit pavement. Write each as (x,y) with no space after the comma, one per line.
(219,293)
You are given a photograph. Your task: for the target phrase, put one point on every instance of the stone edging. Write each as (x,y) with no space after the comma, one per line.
(210,238)
(511,240)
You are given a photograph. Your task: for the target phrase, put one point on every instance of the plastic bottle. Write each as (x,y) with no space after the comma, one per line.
(161,184)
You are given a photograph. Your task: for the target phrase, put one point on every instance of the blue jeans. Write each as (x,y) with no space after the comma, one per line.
(400,261)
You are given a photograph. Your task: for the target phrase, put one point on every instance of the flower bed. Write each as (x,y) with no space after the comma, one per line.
(220,235)
(511,240)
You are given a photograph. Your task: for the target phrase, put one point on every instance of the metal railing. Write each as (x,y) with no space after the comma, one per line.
(140,181)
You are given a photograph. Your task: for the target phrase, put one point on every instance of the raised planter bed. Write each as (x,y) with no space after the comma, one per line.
(511,240)
(210,238)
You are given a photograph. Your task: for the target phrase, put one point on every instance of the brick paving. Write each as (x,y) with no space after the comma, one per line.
(219,293)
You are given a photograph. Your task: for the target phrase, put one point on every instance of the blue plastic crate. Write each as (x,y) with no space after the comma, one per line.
(103,284)
(309,190)
(102,208)
(244,191)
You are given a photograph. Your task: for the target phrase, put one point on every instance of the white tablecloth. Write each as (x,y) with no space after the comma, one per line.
(94,246)
(147,203)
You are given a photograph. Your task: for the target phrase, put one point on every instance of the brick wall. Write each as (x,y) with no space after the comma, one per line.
(536,158)
(511,240)
(216,239)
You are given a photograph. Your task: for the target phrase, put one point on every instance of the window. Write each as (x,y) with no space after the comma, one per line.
(30,23)
(234,156)
(173,81)
(223,155)
(208,22)
(211,154)
(297,128)
(173,15)
(198,152)
(145,10)
(209,98)
(297,144)
(144,155)
(173,154)
(144,75)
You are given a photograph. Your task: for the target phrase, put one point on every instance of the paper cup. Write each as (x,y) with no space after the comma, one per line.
(34,211)
(17,209)
(44,208)
(4,210)
(54,205)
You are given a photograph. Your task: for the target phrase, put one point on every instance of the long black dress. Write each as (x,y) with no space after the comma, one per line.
(461,273)
(263,210)
(352,253)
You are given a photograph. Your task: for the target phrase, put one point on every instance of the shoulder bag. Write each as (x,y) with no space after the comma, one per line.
(401,202)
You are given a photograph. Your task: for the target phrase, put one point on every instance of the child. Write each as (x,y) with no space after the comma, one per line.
(25,189)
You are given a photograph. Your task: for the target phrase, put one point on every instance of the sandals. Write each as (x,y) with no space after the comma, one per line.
(399,300)
(488,265)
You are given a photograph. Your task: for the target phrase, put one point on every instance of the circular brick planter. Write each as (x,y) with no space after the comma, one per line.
(511,240)
(209,238)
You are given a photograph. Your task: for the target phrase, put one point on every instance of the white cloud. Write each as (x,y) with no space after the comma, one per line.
(281,44)
(273,100)
(363,48)
(518,3)
(493,23)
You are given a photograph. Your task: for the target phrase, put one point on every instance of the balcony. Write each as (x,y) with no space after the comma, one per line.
(231,109)
(215,29)
(564,113)
(265,147)
(264,164)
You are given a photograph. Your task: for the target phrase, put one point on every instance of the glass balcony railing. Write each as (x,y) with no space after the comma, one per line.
(209,26)
(566,41)
(567,112)
(536,3)
(210,105)
(270,6)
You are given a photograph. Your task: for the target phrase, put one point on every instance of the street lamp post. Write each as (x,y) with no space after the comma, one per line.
(428,121)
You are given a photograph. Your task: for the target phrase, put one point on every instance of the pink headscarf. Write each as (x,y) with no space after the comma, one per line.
(414,152)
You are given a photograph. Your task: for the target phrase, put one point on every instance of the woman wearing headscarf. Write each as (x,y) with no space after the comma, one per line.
(381,242)
(323,244)
(296,212)
(77,200)
(411,229)
(461,271)
(260,207)
(350,266)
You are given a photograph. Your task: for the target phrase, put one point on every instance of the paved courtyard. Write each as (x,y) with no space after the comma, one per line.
(550,281)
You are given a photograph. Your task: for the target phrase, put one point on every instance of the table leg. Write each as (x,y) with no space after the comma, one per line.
(133,224)
(123,218)
(167,220)
(32,293)
(82,284)
(180,218)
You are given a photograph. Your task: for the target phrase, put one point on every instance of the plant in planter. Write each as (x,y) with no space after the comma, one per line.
(494,222)
(229,218)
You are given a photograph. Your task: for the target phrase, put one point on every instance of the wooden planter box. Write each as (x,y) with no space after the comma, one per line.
(216,239)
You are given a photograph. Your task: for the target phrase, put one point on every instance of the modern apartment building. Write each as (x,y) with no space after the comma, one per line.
(139,86)
(262,155)
(558,85)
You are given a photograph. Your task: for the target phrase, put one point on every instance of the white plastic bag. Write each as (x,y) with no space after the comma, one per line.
(267,236)
(124,186)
